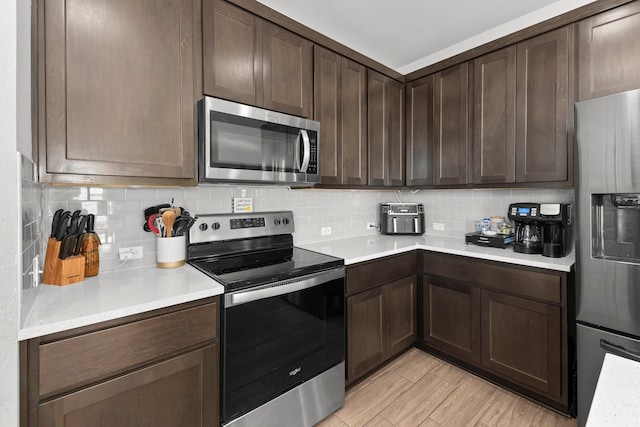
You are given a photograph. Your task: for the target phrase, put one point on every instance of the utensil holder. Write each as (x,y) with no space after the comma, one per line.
(171,251)
(61,272)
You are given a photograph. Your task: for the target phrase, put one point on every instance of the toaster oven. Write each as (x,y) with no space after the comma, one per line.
(401,218)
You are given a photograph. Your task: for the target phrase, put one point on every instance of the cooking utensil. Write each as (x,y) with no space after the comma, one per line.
(151,224)
(78,245)
(68,246)
(168,219)
(182,225)
(63,226)
(56,221)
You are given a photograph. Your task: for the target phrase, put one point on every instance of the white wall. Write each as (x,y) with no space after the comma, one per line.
(9,226)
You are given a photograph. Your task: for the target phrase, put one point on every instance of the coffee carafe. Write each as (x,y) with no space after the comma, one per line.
(528,237)
(541,228)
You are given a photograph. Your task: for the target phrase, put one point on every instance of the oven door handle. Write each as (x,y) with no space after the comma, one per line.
(282,288)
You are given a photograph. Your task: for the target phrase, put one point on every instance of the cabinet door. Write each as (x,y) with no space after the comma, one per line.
(287,71)
(366,332)
(378,160)
(395,132)
(327,110)
(386,131)
(609,52)
(178,392)
(118,100)
(420,132)
(451,127)
(543,108)
(232,53)
(353,126)
(400,298)
(521,341)
(451,320)
(494,127)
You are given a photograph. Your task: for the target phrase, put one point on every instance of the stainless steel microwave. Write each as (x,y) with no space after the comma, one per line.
(241,143)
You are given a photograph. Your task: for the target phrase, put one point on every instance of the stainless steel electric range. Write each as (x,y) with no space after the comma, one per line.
(282,326)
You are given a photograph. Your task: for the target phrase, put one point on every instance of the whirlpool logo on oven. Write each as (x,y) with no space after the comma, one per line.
(295,371)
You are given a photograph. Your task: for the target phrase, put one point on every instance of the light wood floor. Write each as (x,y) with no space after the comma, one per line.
(419,390)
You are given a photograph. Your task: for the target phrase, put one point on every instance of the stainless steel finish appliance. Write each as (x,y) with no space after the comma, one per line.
(542,228)
(608,244)
(241,143)
(401,218)
(282,327)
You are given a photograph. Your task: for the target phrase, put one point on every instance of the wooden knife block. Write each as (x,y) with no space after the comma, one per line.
(58,271)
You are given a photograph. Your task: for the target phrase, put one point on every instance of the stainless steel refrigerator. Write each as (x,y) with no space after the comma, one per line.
(608,241)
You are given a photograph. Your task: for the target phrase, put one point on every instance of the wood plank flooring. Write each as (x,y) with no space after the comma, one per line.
(420,390)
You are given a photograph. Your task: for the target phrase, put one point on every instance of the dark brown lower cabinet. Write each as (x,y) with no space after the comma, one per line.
(451,319)
(381,312)
(155,369)
(521,340)
(510,324)
(169,393)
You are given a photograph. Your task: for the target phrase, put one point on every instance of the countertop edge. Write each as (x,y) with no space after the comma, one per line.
(52,328)
(360,249)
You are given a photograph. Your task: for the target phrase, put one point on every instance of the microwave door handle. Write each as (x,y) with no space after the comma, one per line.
(415,225)
(307,151)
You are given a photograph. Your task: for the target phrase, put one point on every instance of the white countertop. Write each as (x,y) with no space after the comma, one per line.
(113,295)
(616,401)
(365,248)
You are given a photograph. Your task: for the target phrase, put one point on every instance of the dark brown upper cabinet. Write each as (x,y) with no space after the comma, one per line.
(419,131)
(340,104)
(116,91)
(494,118)
(523,112)
(451,125)
(544,108)
(609,52)
(232,70)
(386,131)
(252,61)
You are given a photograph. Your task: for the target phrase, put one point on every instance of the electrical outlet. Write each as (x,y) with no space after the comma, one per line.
(134,252)
(371,225)
(325,231)
(438,226)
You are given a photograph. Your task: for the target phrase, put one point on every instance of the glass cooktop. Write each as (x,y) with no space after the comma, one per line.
(251,269)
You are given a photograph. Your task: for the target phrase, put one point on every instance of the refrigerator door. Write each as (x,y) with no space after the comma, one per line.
(608,145)
(593,344)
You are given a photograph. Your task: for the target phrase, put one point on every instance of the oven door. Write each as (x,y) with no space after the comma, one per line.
(276,337)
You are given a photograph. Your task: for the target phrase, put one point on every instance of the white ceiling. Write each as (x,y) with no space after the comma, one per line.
(406,35)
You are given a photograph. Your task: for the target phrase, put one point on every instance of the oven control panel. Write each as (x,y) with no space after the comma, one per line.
(216,227)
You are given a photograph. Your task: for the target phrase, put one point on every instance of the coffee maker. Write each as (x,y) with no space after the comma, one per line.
(541,228)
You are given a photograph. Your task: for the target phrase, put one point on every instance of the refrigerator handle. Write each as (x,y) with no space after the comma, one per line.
(618,350)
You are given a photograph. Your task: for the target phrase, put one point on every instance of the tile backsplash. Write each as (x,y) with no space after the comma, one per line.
(119,211)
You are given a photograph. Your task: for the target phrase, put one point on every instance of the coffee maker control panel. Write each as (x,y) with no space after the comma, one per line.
(541,212)
(520,210)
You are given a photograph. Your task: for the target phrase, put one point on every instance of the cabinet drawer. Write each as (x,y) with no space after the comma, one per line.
(81,360)
(533,284)
(379,272)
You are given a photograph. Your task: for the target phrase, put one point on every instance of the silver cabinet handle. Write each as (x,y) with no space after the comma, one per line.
(619,350)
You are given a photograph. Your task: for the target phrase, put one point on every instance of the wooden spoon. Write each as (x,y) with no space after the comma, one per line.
(168,218)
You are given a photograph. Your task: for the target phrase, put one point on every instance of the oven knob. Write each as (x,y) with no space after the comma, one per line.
(285,221)
(276,221)
(203,227)
(215,226)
